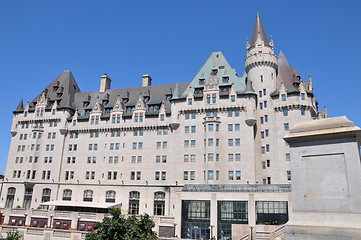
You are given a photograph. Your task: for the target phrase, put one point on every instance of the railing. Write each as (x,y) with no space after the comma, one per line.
(237,188)
(265,235)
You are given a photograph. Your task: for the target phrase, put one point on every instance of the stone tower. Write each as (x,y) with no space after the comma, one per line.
(261,67)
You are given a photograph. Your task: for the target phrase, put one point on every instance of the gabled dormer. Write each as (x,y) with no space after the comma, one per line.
(211,89)
(96,113)
(162,112)
(54,108)
(117,112)
(283,93)
(41,105)
(139,110)
(190,96)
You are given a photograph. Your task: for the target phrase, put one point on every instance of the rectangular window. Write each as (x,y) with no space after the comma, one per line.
(238,175)
(289,175)
(193,157)
(237,127)
(262,134)
(164,175)
(230,157)
(210,127)
(193,143)
(157,159)
(261,118)
(164,158)
(285,112)
(266,132)
(230,127)
(193,115)
(210,157)
(187,116)
(302,96)
(193,129)
(157,175)
(261,106)
(237,142)
(185,175)
(238,157)
(233,98)
(288,157)
(230,175)
(265,104)
(165,144)
(190,101)
(267,147)
(265,118)
(283,96)
(260,93)
(186,129)
(210,174)
(302,110)
(210,141)
(186,158)
(286,126)
(159,144)
(230,142)
(193,175)
(230,113)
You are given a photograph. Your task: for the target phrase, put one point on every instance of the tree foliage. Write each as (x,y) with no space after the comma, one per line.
(120,228)
(13,235)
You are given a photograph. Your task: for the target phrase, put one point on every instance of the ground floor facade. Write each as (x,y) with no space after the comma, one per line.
(224,211)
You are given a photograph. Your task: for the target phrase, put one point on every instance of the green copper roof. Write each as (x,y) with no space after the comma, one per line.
(217,61)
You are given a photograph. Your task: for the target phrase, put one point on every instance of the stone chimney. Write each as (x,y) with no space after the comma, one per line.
(147,80)
(104,83)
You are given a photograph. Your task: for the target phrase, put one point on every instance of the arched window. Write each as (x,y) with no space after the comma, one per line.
(159,203)
(67,194)
(110,196)
(134,197)
(88,196)
(10,197)
(46,195)
(28,196)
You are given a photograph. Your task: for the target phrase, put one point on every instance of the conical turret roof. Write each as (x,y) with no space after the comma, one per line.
(259,30)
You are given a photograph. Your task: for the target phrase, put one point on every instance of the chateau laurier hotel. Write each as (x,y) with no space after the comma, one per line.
(202,157)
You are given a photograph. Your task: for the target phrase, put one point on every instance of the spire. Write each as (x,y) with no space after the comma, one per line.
(20,106)
(259,31)
(249,88)
(176,92)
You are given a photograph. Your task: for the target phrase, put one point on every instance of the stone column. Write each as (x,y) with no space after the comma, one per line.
(326,180)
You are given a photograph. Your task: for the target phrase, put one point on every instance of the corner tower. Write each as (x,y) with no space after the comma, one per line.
(261,66)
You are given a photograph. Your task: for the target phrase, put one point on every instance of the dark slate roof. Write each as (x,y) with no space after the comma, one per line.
(20,106)
(157,94)
(258,29)
(62,89)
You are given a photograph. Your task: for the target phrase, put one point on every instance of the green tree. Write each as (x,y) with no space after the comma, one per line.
(120,228)
(13,235)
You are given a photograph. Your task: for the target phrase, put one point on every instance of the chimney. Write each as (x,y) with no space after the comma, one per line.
(147,80)
(104,83)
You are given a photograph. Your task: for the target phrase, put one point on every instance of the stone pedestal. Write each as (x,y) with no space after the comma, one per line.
(326,180)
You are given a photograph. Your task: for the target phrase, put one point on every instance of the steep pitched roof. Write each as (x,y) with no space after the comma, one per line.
(62,89)
(217,61)
(20,107)
(286,74)
(258,29)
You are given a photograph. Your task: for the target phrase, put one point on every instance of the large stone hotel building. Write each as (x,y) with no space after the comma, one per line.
(202,157)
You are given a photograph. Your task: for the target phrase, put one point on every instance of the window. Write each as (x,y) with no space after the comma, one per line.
(193,175)
(186,158)
(92,160)
(110,196)
(266,132)
(261,106)
(238,175)
(69,175)
(157,175)
(266,118)
(187,116)
(185,175)
(262,134)
(10,197)
(193,143)
(164,175)
(289,175)
(268,163)
(263,149)
(210,127)
(265,104)
(94,134)
(230,175)
(237,127)
(260,93)
(238,157)
(193,115)
(288,157)
(134,197)
(271,213)
(186,129)
(88,196)
(210,174)
(230,127)
(46,195)
(193,157)
(302,110)
(283,97)
(285,112)
(237,142)
(263,165)
(162,116)
(164,145)
(230,157)
(210,141)
(230,113)
(193,129)
(286,126)
(233,98)
(302,96)
(230,142)
(159,144)
(159,203)
(210,157)
(190,101)
(267,147)
(261,118)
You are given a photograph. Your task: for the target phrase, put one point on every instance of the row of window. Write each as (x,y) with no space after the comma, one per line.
(39,124)
(285,112)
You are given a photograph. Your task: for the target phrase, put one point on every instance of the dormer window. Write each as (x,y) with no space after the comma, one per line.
(105,102)
(59,94)
(85,104)
(201,81)
(214,71)
(146,98)
(168,97)
(303,96)
(190,101)
(225,79)
(94,120)
(130,109)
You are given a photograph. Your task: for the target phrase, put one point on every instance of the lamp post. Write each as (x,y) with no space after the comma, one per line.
(211,228)
(77,223)
(51,221)
(251,227)
(26,215)
(174,224)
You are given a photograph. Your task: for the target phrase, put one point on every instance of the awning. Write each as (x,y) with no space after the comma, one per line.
(81,204)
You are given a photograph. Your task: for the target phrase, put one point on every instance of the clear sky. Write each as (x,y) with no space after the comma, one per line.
(170,40)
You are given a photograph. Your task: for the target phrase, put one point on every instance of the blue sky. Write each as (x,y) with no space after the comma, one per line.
(170,40)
